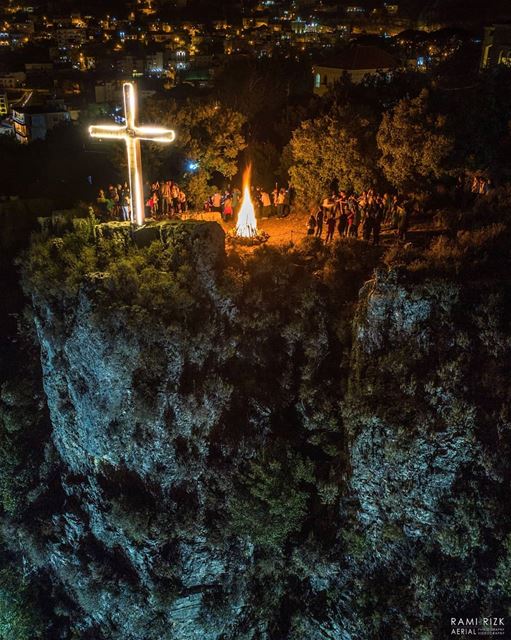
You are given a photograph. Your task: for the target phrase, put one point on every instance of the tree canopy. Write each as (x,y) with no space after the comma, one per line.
(209,138)
(328,152)
(414,144)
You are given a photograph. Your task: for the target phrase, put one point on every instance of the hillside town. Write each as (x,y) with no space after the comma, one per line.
(57,68)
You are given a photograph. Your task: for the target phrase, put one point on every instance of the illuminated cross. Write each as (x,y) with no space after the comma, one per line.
(133,134)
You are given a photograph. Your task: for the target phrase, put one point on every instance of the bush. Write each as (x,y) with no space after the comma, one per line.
(20,619)
(272,500)
(477,252)
(24,428)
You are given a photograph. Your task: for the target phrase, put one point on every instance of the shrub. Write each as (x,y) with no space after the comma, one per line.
(271,501)
(20,619)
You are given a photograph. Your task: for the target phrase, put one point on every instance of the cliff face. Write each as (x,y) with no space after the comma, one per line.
(254,449)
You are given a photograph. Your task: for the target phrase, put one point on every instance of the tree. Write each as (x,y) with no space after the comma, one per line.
(414,145)
(329,151)
(209,138)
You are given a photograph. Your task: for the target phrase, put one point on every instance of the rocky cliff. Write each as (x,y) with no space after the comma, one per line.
(297,443)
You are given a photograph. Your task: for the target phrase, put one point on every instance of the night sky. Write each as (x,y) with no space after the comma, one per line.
(452,10)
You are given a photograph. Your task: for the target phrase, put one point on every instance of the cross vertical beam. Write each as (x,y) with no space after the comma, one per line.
(132,134)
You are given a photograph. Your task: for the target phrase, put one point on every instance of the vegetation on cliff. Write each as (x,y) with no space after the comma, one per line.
(288,443)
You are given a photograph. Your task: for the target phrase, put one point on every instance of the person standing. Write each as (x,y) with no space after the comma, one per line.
(154,204)
(183,205)
(343,220)
(328,207)
(174,198)
(258,202)
(311,225)
(319,222)
(125,206)
(217,202)
(275,199)
(377,220)
(227,211)
(330,228)
(353,230)
(280,203)
(165,197)
(266,203)
(236,199)
(404,222)
(287,203)
(102,203)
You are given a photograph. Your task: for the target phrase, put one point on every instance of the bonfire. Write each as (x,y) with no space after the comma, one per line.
(246,231)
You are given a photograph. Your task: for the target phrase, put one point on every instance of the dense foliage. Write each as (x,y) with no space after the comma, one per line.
(413,145)
(209,136)
(327,155)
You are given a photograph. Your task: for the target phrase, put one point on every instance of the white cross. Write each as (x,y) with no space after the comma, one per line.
(132,134)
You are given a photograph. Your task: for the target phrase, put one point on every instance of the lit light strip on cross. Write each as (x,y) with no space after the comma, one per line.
(132,134)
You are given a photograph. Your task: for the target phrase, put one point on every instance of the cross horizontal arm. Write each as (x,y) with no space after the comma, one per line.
(155,134)
(107,131)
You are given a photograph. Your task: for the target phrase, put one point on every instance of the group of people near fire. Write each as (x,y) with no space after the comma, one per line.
(350,215)
(266,203)
(360,216)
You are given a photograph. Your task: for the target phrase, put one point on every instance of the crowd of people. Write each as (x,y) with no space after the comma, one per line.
(469,187)
(351,215)
(163,198)
(266,204)
(113,202)
(360,216)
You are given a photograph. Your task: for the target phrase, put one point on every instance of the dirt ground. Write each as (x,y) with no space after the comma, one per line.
(281,230)
(293,228)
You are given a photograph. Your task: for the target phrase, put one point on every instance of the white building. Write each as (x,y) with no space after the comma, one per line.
(355,63)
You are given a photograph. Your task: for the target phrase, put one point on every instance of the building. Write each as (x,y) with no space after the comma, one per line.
(391,8)
(108,91)
(39,67)
(355,63)
(4,105)
(12,80)
(70,37)
(154,63)
(496,46)
(34,122)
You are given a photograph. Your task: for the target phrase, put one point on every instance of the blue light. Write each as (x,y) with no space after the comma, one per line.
(193,166)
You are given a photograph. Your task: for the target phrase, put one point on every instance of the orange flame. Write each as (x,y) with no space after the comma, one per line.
(246,226)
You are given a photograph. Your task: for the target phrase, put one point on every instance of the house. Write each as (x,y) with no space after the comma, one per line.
(12,80)
(496,46)
(356,63)
(34,122)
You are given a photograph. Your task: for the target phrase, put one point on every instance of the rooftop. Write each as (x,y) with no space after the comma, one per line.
(361,57)
(42,108)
